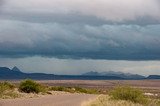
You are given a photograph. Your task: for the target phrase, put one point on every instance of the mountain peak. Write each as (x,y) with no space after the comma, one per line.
(91,73)
(16,69)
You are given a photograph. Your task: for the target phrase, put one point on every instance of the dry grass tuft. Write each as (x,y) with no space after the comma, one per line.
(129,94)
(7,90)
(104,100)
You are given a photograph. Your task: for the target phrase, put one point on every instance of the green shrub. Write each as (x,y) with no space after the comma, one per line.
(30,86)
(127,93)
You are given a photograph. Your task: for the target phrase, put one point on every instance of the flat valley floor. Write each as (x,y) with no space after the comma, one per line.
(149,86)
(152,86)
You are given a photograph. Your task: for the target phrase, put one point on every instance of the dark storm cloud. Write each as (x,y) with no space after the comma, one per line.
(120,42)
(103,29)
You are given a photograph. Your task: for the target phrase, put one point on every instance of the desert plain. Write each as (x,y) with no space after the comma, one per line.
(77,99)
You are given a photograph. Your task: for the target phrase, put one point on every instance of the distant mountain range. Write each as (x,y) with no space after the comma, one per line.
(113,73)
(15,73)
(153,77)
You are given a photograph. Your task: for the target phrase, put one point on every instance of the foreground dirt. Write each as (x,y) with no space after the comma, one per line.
(50,100)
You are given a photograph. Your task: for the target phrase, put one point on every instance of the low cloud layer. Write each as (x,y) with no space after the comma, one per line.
(70,66)
(80,41)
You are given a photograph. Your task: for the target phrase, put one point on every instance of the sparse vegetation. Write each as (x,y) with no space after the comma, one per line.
(158,102)
(128,93)
(30,86)
(104,100)
(84,90)
(7,90)
(74,89)
(5,86)
(120,96)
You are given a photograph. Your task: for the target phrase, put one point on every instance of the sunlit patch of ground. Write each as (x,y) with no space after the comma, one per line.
(104,100)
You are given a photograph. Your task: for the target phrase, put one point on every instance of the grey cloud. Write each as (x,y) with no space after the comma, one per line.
(51,18)
(72,18)
(1,2)
(123,42)
(79,29)
(139,12)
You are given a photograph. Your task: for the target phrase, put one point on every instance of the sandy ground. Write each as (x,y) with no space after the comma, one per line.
(153,84)
(50,100)
(103,83)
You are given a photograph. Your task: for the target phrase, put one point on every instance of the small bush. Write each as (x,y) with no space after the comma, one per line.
(127,93)
(30,86)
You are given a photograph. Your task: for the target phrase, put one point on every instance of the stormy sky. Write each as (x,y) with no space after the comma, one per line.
(75,36)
